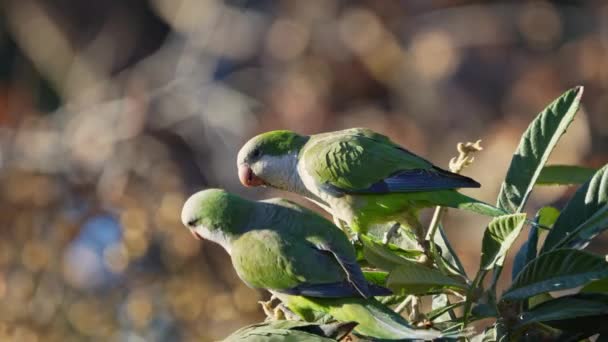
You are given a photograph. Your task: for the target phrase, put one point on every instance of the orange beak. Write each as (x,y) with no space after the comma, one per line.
(248,178)
(195,234)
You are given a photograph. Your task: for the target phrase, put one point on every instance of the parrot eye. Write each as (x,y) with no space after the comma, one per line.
(192,222)
(256,153)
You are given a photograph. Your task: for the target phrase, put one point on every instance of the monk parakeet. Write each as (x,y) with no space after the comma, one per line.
(291,331)
(359,176)
(299,256)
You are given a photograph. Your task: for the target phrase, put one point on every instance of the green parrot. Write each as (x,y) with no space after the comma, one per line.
(359,176)
(299,256)
(291,331)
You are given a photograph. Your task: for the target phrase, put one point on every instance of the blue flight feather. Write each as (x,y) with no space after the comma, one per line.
(419,180)
(334,290)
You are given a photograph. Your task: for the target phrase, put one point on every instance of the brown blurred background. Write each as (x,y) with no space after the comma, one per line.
(113,112)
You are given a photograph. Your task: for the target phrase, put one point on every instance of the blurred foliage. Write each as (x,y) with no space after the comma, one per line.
(113,112)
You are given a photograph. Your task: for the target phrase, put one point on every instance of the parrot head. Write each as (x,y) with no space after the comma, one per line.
(216,215)
(269,158)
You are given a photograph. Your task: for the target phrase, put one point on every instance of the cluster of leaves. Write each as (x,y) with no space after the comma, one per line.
(529,308)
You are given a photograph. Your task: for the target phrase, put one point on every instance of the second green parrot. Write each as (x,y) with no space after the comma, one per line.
(359,176)
(299,256)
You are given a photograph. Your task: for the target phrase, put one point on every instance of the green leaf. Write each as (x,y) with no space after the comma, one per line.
(579,312)
(386,257)
(584,216)
(564,175)
(526,253)
(538,299)
(447,252)
(414,278)
(600,285)
(534,149)
(557,270)
(578,305)
(545,217)
(498,238)
(442,308)
(376,277)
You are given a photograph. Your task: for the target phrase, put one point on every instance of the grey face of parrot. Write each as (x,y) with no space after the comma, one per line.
(203,232)
(246,158)
(214,235)
(257,167)
(270,159)
(198,226)
(277,171)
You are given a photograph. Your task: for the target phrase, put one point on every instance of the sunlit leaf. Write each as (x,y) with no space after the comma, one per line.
(534,149)
(498,238)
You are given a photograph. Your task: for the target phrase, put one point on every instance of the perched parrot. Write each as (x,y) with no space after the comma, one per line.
(359,176)
(291,331)
(299,256)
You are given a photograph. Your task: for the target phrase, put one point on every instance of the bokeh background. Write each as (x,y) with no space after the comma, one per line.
(113,112)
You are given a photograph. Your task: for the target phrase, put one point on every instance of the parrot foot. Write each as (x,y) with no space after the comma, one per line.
(283,311)
(391,233)
(340,224)
(269,308)
(356,239)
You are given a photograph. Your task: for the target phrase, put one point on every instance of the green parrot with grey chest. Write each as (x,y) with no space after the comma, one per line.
(299,256)
(359,176)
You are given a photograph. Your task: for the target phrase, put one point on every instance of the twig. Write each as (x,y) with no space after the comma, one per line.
(404,304)
(457,164)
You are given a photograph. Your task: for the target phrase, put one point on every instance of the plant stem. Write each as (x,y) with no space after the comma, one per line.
(437,215)
(404,304)
(469,301)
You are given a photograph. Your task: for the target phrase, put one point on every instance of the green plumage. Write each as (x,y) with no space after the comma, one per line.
(296,254)
(298,260)
(373,318)
(360,176)
(353,162)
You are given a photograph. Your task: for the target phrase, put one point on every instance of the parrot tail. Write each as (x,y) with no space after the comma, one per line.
(454,199)
(377,321)
(374,319)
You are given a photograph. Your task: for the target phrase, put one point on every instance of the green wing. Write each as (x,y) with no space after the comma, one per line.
(324,236)
(301,254)
(361,161)
(268,259)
